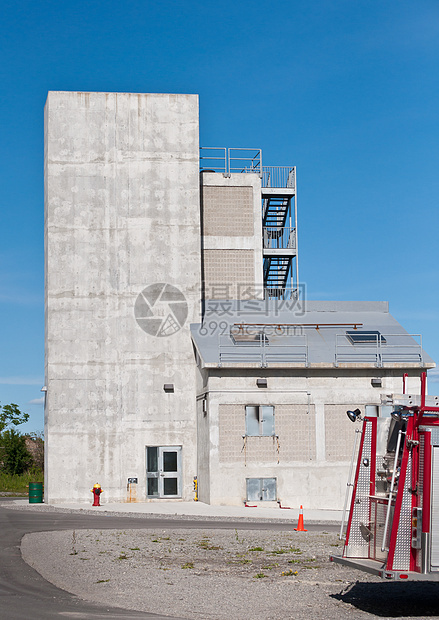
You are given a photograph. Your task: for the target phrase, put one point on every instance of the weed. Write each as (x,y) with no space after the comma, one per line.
(288,573)
(259,576)
(123,556)
(103,581)
(188,565)
(74,552)
(294,561)
(237,537)
(256,549)
(134,548)
(155,540)
(270,566)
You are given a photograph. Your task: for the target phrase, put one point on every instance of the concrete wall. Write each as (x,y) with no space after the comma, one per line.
(310,456)
(121,214)
(232,236)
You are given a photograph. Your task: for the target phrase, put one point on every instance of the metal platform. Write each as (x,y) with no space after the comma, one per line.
(377,568)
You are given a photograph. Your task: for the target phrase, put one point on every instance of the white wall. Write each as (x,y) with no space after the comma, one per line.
(121,213)
(312,475)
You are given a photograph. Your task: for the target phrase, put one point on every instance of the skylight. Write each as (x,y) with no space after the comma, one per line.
(365,337)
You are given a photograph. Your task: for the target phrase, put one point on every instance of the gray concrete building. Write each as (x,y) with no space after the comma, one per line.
(177,342)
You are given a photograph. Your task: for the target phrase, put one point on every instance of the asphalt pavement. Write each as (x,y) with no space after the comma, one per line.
(25,594)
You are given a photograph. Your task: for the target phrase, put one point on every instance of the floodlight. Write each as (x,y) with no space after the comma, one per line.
(354,415)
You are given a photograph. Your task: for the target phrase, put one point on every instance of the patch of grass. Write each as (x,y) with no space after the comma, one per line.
(256,549)
(259,576)
(134,548)
(270,566)
(103,581)
(156,540)
(282,550)
(188,565)
(123,556)
(204,544)
(19,483)
(243,561)
(294,561)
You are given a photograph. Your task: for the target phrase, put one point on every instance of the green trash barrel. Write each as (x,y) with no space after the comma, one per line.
(35,492)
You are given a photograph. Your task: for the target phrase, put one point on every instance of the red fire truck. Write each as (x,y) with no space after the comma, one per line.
(393,525)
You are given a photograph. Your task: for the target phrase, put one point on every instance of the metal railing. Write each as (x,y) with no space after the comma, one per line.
(213,158)
(282,293)
(279,176)
(245,160)
(281,238)
(384,348)
(262,352)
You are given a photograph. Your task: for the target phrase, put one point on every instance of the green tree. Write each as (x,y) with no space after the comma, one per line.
(15,456)
(11,414)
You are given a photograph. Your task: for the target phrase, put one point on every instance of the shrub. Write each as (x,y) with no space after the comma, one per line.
(15,456)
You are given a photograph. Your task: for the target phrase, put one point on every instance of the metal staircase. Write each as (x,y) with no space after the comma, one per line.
(279,214)
(279,240)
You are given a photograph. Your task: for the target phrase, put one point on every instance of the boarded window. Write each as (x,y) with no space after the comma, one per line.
(259,420)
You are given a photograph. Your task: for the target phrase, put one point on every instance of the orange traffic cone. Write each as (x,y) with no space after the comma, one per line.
(300,527)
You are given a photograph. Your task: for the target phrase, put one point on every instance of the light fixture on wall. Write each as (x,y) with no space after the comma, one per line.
(397,414)
(376,382)
(354,415)
(261,383)
(44,388)
(168,387)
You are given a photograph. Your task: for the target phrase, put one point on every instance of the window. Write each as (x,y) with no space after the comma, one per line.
(261,489)
(259,420)
(366,337)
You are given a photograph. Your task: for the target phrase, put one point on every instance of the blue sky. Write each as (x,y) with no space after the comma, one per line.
(346,90)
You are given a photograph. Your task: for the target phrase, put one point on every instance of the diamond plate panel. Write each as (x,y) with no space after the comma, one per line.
(378,518)
(434,436)
(359,547)
(420,501)
(401,560)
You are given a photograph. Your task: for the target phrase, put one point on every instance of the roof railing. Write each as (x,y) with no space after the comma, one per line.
(261,351)
(248,161)
(380,349)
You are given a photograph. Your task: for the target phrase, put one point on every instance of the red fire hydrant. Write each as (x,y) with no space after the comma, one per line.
(96,490)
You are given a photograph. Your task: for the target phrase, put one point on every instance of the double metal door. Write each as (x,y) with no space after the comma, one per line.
(163,471)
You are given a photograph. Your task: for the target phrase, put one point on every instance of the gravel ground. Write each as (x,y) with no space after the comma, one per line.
(221,574)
